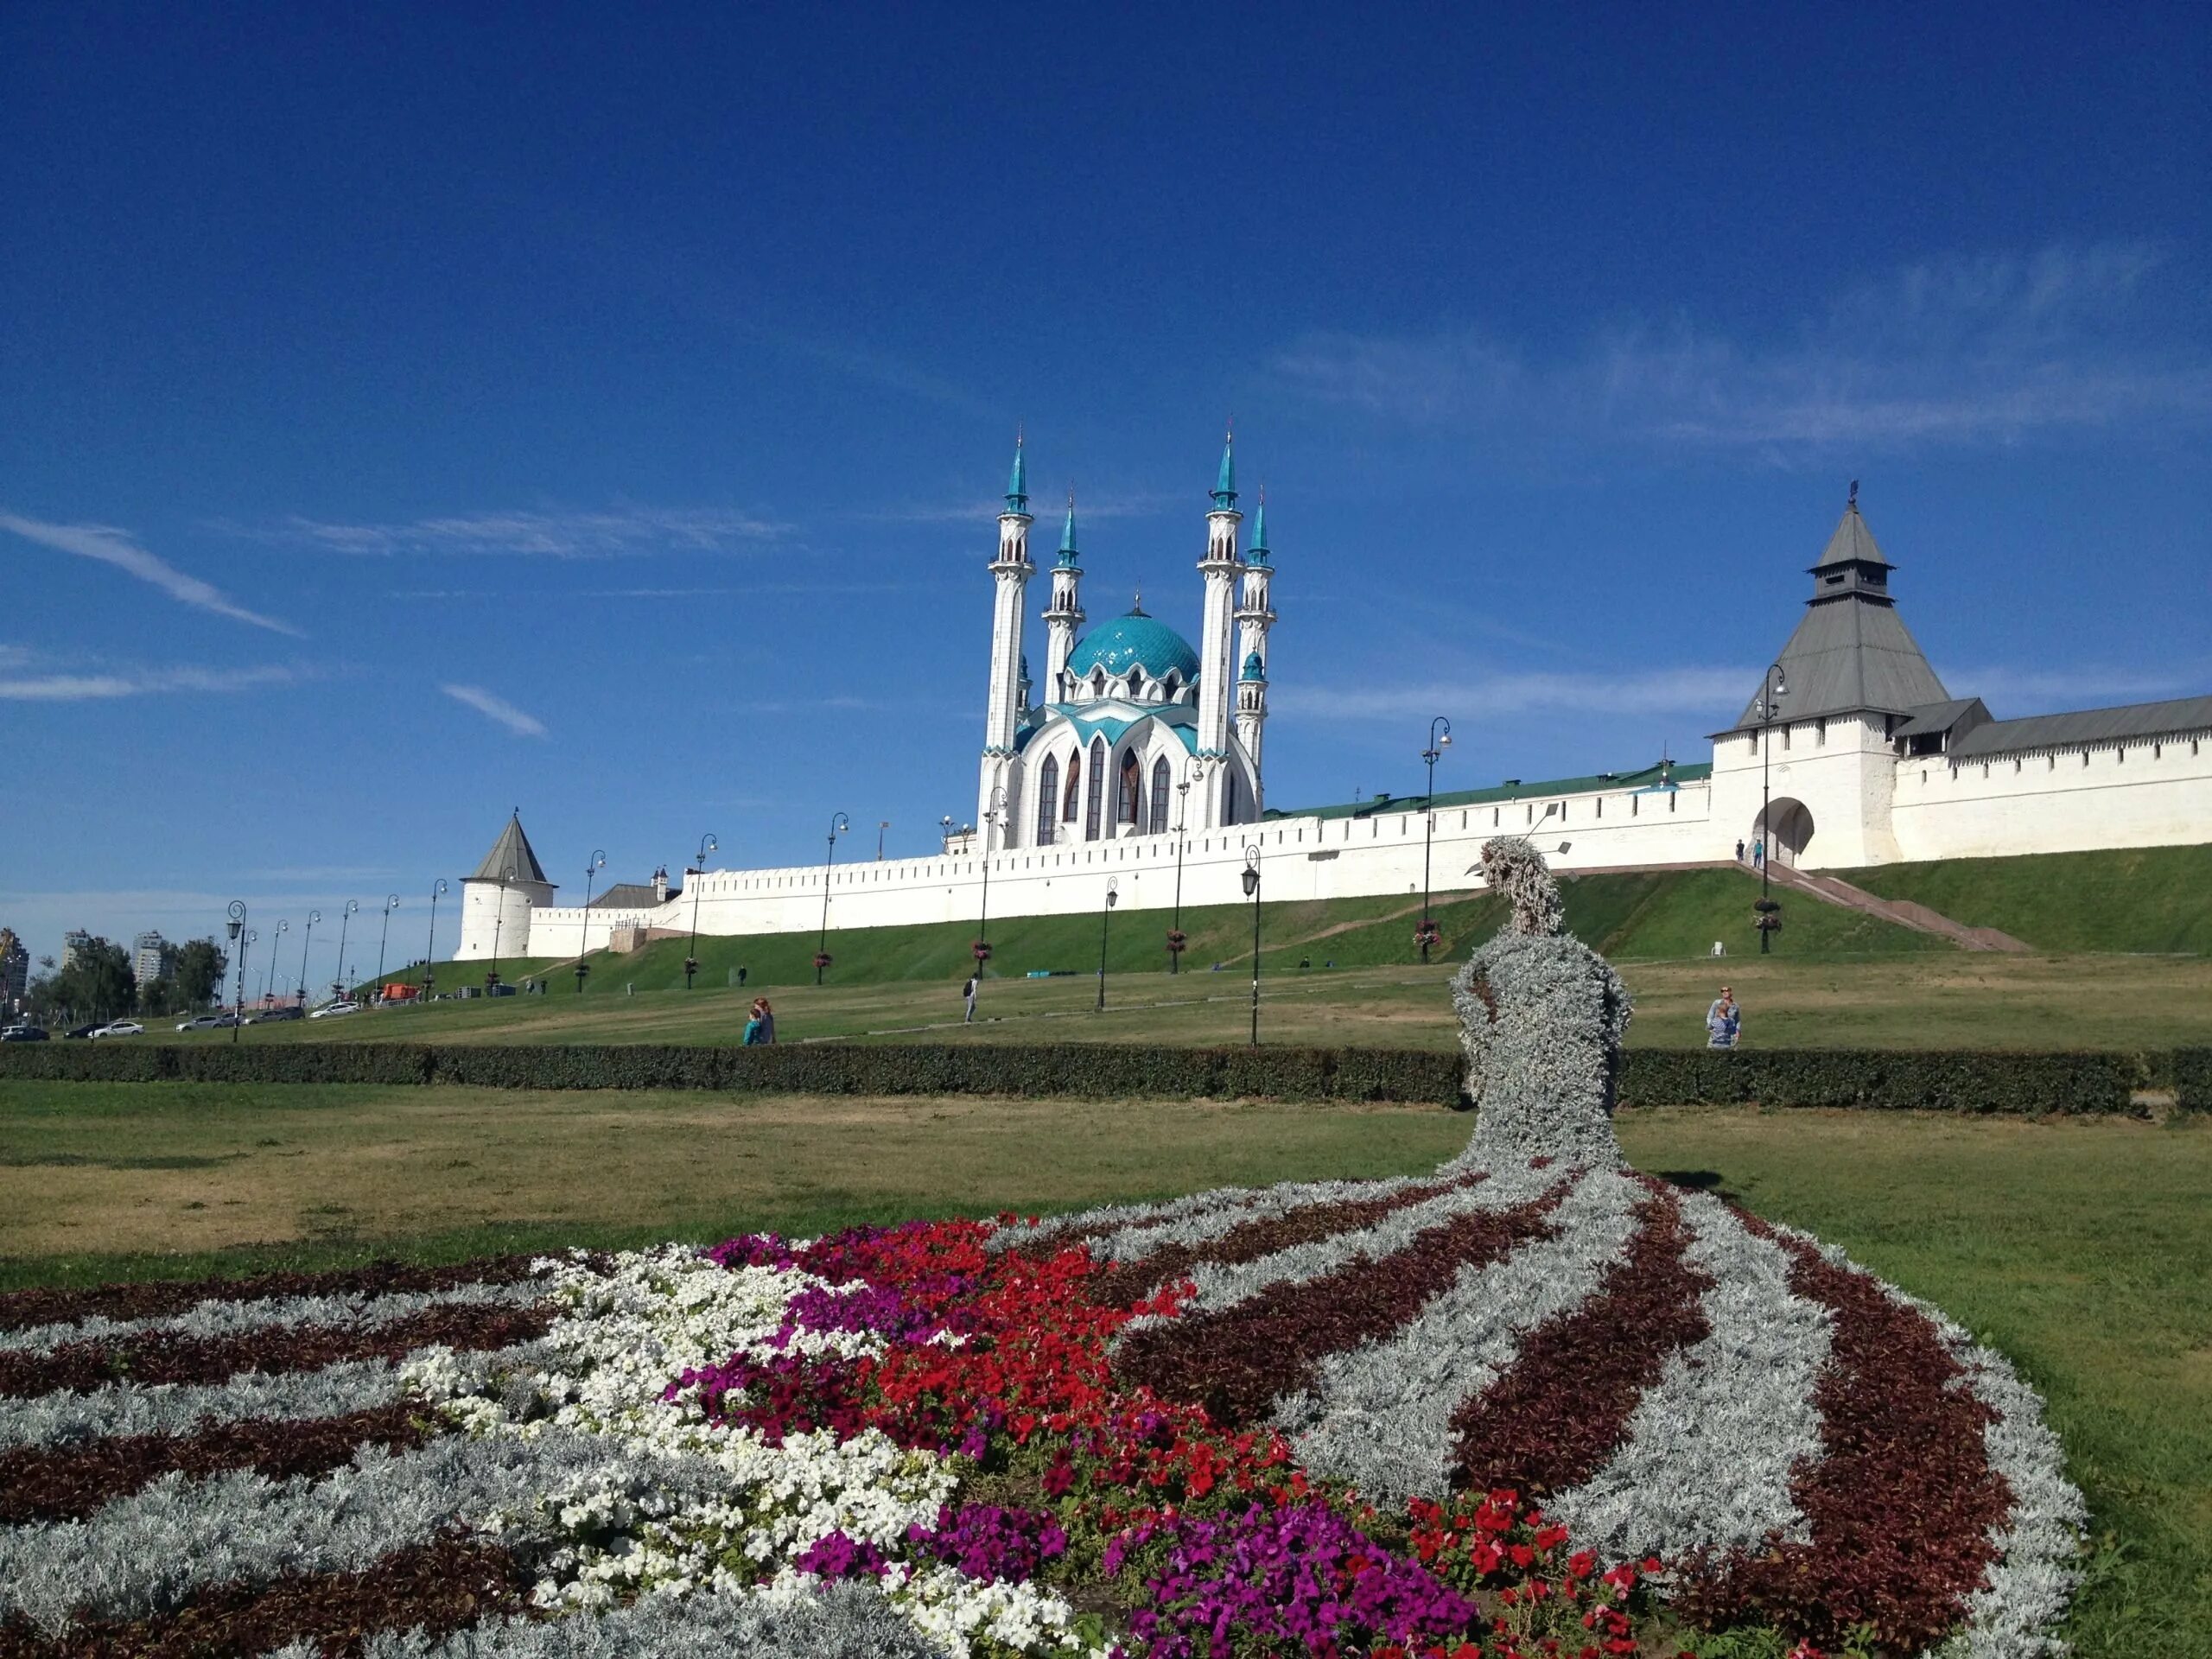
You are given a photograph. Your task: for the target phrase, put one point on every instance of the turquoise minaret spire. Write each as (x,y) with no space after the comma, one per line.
(1067,535)
(1017,483)
(1256,552)
(1224,487)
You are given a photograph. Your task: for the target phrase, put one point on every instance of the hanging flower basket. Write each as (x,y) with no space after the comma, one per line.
(980,950)
(822,959)
(691,965)
(1176,942)
(491,978)
(1427,933)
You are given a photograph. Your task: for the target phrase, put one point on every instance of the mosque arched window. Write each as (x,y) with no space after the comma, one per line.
(1048,798)
(1228,809)
(1098,684)
(1074,787)
(1097,791)
(1129,790)
(1170,686)
(1137,683)
(1160,796)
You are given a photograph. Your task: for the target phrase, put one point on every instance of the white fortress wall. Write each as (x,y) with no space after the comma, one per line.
(2149,791)
(496,920)
(1301,858)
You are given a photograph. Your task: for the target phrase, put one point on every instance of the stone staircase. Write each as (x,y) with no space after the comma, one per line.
(1905,914)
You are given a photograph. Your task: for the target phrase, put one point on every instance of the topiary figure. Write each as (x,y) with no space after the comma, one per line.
(1542,1016)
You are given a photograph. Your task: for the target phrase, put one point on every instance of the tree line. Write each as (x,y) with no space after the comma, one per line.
(98,983)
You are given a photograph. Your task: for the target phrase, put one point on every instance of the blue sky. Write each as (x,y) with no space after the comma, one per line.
(413,413)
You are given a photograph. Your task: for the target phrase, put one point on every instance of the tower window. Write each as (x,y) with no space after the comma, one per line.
(1048,796)
(1098,792)
(1160,796)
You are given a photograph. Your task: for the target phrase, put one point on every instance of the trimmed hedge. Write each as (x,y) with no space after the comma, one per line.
(1938,1080)
(2192,1079)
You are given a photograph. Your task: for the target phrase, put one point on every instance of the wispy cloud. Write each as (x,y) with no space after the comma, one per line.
(1692,689)
(107,684)
(2010,691)
(494,707)
(614,533)
(1986,351)
(112,546)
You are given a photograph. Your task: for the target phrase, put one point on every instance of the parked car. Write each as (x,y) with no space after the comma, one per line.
(204,1022)
(121,1029)
(273,1016)
(82,1031)
(23,1034)
(331,1010)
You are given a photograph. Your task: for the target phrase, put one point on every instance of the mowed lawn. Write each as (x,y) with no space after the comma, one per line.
(1931,1000)
(2083,1249)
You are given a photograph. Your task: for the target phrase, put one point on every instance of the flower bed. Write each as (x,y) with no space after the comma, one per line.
(1488,1414)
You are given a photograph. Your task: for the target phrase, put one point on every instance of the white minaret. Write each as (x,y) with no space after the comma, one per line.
(1254,618)
(1064,615)
(1220,567)
(1010,572)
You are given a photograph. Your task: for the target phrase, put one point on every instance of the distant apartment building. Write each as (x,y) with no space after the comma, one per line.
(74,942)
(150,955)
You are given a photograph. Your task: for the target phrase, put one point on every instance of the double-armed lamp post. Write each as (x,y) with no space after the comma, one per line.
(307,945)
(1440,738)
(593,865)
(1771,692)
(1251,879)
(1194,769)
(344,922)
(498,921)
(839,823)
(384,939)
(275,985)
(697,877)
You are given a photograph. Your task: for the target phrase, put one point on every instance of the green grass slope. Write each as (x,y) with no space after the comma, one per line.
(2154,899)
(1635,917)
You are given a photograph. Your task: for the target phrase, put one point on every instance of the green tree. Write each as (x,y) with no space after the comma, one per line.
(200,964)
(96,983)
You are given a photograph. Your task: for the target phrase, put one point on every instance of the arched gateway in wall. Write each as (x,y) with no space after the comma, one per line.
(1792,833)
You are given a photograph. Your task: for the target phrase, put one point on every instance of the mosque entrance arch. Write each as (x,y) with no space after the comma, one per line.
(1793,830)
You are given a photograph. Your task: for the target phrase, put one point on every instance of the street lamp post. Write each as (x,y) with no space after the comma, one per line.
(981,949)
(345,921)
(839,823)
(593,865)
(498,925)
(880,828)
(1112,897)
(1440,738)
(1771,692)
(237,926)
(707,844)
(384,939)
(430,949)
(1193,770)
(307,945)
(271,984)
(1251,879)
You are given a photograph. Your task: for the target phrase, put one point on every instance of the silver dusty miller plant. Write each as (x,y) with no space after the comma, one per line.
(1542,1016)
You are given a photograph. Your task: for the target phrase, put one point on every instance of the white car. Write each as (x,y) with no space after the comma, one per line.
(122,1028)
(204,1022)
(331,1010)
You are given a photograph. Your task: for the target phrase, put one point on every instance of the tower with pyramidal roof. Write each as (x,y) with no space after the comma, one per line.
(496,901)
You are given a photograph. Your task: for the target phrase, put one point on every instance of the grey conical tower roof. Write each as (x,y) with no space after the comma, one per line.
(1852,652)
(511,852)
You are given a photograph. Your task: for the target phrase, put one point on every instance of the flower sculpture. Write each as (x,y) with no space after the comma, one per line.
(1542,1016)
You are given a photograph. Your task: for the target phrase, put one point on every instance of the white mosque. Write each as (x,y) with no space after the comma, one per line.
(1137,777)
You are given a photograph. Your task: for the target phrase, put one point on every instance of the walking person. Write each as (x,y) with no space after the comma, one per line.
(761,1027)
(1723,1020)
(1758,854)
(967,994)
(1739,849)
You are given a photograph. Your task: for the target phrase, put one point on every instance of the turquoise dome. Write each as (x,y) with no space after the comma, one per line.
(1135,641)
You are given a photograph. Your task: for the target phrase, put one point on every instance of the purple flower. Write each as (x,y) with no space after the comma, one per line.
(836,1556)
(987,1542)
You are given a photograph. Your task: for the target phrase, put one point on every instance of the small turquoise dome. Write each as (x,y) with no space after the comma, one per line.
(1255,669)
(1135,641)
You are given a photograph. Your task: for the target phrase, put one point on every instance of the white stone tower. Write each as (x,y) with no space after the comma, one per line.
(1010,571)
(496,901)
(1063,614)
(1254,618)
(1220,567)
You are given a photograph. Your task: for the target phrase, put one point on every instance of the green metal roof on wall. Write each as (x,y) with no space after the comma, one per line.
(1660,776)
